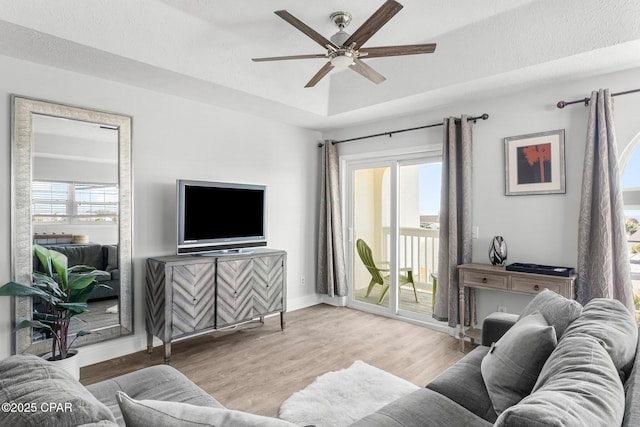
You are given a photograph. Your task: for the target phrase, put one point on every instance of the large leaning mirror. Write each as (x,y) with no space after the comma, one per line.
(71,191)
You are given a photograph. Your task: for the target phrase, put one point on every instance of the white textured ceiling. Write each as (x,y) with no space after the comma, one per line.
(202,49)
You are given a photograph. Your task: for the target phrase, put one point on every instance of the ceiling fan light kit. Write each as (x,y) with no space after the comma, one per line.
(344,50)
(342,59)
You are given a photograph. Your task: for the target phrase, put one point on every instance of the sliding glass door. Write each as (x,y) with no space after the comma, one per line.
(368,240)
(392,209)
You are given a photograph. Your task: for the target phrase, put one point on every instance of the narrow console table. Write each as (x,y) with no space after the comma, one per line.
(484,276)
(187,295)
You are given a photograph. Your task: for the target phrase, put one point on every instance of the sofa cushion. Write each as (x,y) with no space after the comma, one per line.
(89,254)
(52,396)
(578,386)
(632,393)
(463,384)
(609,321)
(558,310)
(110,257)
(511,367)
(422,408)
(160,382)
(144,413)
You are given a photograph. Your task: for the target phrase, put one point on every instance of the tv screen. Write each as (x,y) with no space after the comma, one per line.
(215,216)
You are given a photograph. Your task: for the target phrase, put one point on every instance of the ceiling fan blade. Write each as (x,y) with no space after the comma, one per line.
(374,23)
(285,58)
(319,38)
(410,49)
(320,74)
(360,67)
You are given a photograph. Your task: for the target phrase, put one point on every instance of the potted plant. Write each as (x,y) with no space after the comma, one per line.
(63,292)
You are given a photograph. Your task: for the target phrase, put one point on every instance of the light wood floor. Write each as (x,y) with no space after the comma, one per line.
(256,367)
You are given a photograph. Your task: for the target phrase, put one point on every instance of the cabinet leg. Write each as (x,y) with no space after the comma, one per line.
(461,315)
(167,353)
(282,323)
(149,343)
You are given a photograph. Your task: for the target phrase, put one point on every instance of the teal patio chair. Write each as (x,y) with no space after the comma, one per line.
(380,276)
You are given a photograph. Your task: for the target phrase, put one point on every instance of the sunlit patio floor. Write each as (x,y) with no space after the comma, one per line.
(407,300)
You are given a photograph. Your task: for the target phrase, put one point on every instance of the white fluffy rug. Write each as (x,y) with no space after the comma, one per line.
(340,398)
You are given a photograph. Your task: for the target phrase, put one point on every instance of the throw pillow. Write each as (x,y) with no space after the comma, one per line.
(46,395)
(511,367)
(143,413)
(558,310)
(578,386)
(609,321)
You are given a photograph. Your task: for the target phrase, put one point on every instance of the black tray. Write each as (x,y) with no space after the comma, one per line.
(550,270)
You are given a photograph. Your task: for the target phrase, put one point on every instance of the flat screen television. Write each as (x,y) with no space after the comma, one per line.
(219,216)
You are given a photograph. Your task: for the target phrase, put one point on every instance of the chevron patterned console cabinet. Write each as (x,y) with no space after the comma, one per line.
(188,295)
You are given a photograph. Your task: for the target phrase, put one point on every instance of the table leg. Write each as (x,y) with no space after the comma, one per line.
(461,315)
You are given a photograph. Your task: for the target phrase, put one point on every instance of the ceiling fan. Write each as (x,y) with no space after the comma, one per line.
(345,50)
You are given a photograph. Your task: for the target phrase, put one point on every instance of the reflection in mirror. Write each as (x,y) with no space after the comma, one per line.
(71,192)
(74,196)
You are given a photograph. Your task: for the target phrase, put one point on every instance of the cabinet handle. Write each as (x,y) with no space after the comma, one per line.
(484,280)
(536,288)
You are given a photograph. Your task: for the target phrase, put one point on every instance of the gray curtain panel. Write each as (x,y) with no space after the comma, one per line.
(455,220)
(603,257)
(332,277)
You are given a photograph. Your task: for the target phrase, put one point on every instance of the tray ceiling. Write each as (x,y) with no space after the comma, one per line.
(202,50)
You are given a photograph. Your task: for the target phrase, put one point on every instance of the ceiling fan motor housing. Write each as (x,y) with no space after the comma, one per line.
(341,19)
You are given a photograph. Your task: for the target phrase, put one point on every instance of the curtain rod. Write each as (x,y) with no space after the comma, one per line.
(484,116)
(562,104)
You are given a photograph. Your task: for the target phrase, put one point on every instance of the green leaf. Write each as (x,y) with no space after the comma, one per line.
(60,264)
(81,268)
(33,324)
(48,284)
(73,308)
(80,281)
(47,318)
(83,333)
(45,258)
(81,295)
(20,290)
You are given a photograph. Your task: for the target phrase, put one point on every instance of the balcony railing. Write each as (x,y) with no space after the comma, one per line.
(418,249)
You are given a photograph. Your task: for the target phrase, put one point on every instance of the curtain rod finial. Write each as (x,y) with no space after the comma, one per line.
(485,116)
(561,104)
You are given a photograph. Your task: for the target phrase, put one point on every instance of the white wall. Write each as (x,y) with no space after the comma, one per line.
(538,229)
(175,138)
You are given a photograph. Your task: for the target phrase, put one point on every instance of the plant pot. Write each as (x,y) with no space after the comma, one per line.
(71,364)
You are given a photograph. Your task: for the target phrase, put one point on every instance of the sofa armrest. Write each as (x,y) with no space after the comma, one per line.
(159,382)
(495,325)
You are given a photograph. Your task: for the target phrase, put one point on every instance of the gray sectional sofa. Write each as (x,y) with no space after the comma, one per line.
(559,364)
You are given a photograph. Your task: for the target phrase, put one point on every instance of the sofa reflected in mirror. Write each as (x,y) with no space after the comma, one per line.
(103,302)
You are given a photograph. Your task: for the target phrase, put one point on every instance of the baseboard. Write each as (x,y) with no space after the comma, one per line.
(337,301)
(111,349)
(294,304)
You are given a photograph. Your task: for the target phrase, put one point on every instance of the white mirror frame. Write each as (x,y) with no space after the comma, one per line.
(23,110)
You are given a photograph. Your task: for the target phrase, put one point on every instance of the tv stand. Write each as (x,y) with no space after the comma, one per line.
(189,295)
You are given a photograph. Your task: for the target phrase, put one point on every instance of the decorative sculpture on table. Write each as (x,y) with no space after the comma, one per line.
(498,251)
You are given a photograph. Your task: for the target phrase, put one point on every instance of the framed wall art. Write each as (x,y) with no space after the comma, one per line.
(534,163)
